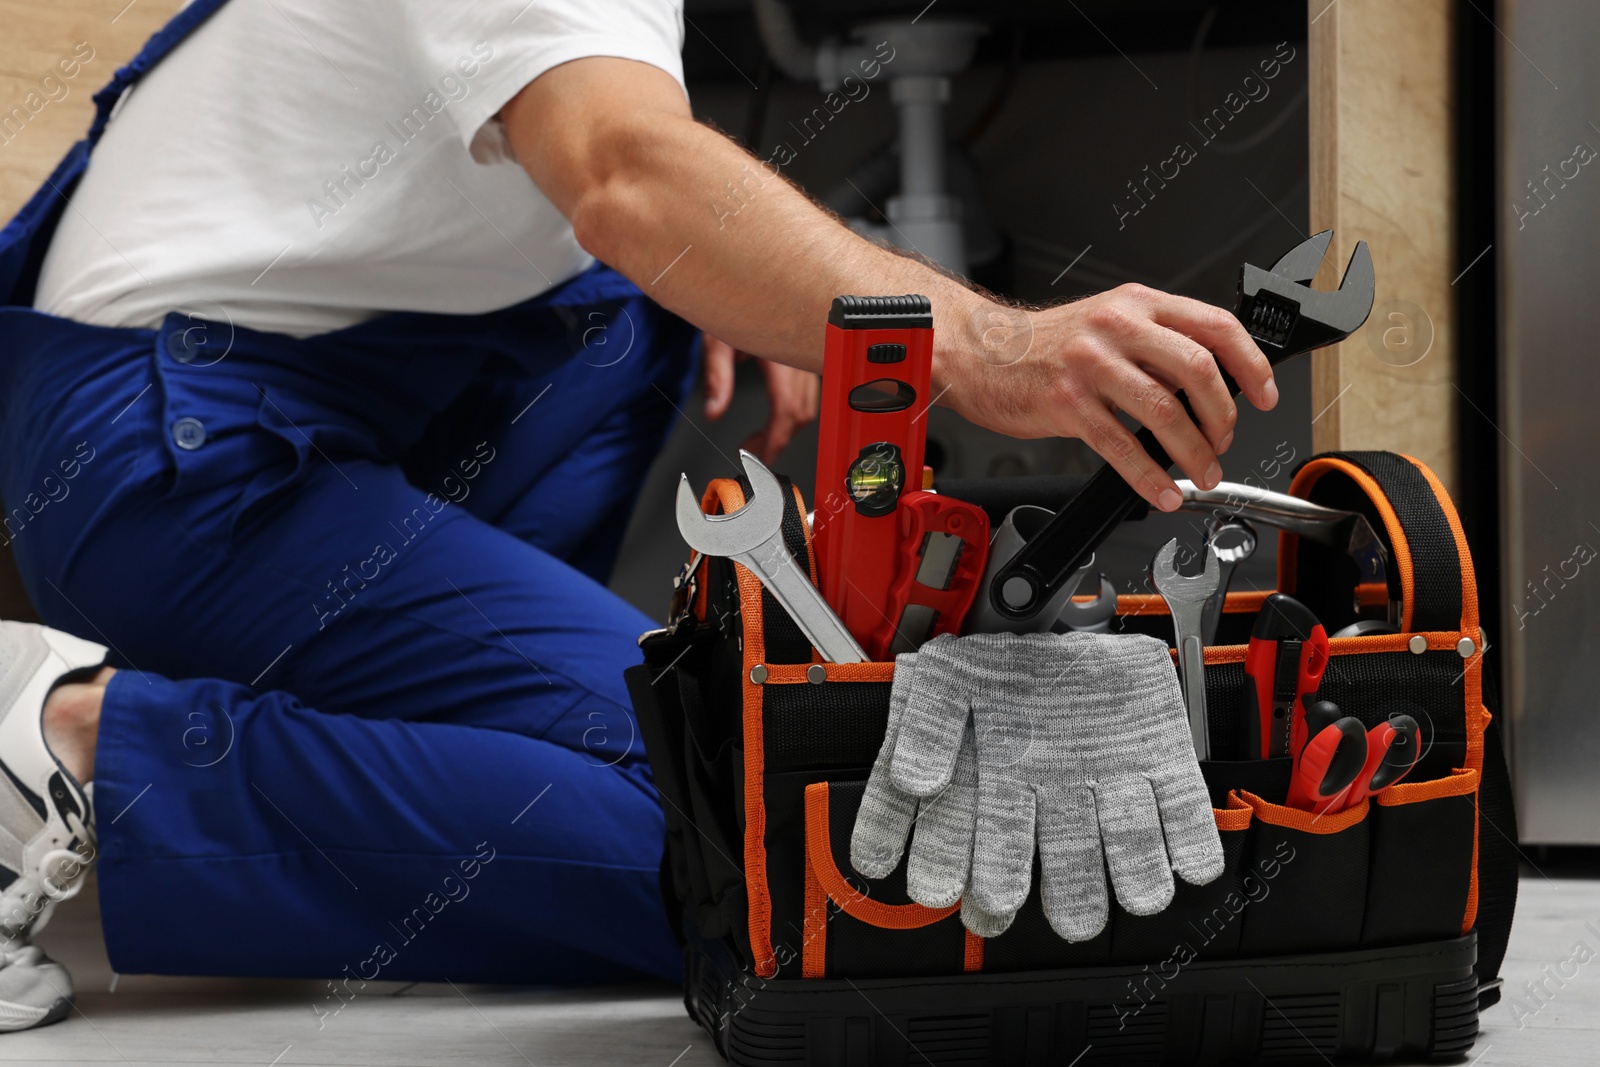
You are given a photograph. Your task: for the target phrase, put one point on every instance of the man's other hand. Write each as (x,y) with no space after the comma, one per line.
(792,397)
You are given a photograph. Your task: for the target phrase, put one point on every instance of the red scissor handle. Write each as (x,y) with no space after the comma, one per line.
(1393,748)
(1330,761)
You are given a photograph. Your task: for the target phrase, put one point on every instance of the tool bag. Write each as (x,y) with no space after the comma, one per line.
(1373,933)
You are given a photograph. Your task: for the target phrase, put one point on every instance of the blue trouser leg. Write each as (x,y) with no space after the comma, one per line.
(445,673)
(335,845)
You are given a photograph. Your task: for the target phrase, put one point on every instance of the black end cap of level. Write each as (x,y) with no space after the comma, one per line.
(881,313)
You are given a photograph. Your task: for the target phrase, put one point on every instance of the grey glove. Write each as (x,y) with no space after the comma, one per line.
(940,825)
(1083,744)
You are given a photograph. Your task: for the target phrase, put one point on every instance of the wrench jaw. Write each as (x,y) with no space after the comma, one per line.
(739,531)
(1172,584)
(1287,317)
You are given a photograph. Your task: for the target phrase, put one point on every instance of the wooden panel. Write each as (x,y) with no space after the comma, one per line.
(47,111)
(1381,170)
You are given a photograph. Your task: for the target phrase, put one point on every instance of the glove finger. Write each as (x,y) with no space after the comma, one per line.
(882,824)
(983,923)
(1002,853)
(1072,869)
(886,815)
(1193,843)
(937,694)
(1136,853)
(941,845)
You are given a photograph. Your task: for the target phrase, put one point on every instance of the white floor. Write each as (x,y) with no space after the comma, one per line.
(139,1019)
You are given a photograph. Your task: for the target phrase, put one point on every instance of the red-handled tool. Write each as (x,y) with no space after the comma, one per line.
(1287,654)
(943,546)
(876,363)
(1330,750)
(1392,749)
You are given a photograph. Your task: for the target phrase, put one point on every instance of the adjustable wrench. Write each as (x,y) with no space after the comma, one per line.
(753,536)
(1186,598)
(1286,317)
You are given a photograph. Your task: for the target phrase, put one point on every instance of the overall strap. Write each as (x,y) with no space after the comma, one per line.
(154,51)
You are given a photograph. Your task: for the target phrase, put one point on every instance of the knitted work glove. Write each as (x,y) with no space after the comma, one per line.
(1083,745)
(940,825)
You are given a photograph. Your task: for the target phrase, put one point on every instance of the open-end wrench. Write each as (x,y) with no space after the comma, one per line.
(1285,317)
(1234,541)
(1186,599)
(753,536)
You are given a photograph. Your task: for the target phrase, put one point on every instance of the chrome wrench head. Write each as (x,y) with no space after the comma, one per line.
(1179,588)
(1186,598)
(742,531)
(753,536)
(1234,541)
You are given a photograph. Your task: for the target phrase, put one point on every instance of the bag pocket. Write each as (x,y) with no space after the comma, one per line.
(1306,888)
(860,929)
(1423,848)
(1203,921)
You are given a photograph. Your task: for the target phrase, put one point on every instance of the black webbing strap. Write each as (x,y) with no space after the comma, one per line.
(1435,563)
(784,641)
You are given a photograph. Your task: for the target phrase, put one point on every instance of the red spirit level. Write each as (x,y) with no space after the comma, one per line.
(875,371)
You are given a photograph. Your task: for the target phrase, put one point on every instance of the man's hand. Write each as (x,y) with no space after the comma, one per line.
(1067,371)
(792,397)
(723,239)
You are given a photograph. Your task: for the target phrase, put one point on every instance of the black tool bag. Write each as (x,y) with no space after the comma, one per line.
(1374,933)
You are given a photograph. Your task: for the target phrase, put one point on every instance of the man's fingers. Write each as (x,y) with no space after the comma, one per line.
(1223,334)
(1100,430)
(1180,363)
(1154,405)
(717,357)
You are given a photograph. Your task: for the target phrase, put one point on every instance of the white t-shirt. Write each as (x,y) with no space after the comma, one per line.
(304,165)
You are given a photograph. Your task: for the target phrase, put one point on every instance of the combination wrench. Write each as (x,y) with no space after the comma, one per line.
(1186,598)
(753,536)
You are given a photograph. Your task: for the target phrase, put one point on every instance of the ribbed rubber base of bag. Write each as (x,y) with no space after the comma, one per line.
(1414,1001)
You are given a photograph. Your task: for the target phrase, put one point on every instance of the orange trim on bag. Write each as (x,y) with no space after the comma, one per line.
(1236,816)
(1472,672)
(797,673)
(725,492)
(814,949)
(1237,603)
(805,528)
(1304,821)
(849,899)
(1458,784)
(973,963)
(1301,487)
(1141,604)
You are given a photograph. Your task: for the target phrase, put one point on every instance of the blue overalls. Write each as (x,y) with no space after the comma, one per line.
(371,723)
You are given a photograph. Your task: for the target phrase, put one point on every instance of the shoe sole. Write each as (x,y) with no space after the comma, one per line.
(24,1017)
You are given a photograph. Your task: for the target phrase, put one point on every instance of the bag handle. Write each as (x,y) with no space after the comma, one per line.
(1431,570)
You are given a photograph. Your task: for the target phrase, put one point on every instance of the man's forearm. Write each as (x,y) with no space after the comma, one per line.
(715,235)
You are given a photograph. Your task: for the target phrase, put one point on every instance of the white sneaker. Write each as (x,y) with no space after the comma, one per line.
(47,839)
